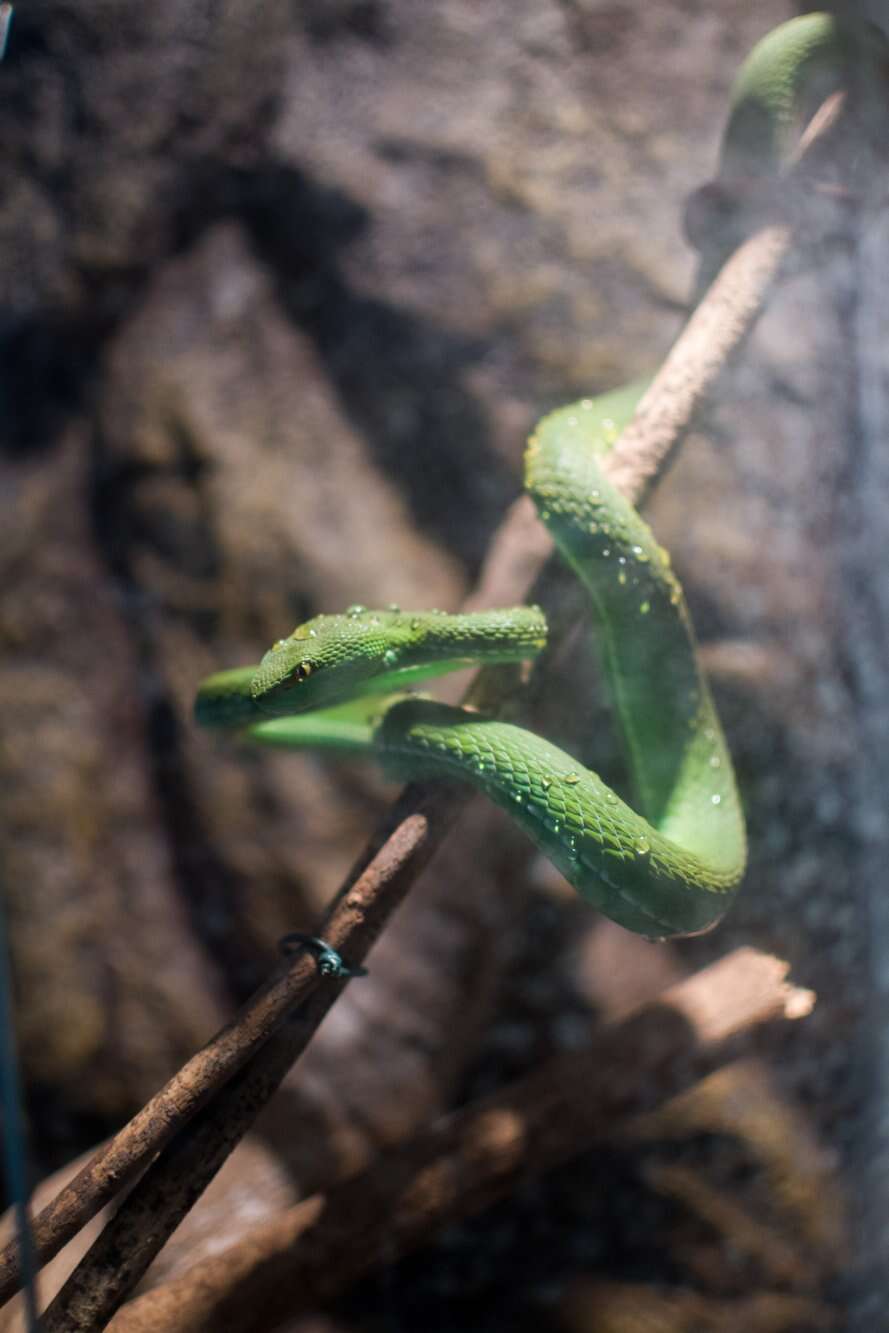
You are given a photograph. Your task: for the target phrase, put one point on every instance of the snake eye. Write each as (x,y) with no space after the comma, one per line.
(300,672)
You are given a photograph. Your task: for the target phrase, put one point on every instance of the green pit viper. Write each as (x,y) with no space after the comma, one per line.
(672,865)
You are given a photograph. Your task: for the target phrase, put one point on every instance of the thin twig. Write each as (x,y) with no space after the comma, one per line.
(167,1191)
(120,1160)
(716,329)
(297,1261)
(732,305)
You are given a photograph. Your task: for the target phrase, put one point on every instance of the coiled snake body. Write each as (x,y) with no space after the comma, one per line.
(670,866)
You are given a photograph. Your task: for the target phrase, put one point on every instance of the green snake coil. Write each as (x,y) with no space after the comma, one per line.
(671,865)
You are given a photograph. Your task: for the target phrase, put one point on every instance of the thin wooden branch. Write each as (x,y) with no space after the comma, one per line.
(720,323)
(718,326)
(169,1189)
(298,1261)
(119,1161)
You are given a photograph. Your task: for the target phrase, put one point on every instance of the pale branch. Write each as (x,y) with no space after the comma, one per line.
(718,326)
(793,212)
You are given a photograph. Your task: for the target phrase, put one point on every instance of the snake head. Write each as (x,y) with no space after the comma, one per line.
(327,660)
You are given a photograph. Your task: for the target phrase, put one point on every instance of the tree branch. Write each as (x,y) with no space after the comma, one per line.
(298,1261)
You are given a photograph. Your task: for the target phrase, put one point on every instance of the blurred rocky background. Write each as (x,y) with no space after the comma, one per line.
(283,287)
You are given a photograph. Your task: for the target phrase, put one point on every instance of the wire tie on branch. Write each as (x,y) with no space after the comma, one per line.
(330,963)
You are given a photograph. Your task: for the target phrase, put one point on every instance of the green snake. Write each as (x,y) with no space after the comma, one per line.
(670,864)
